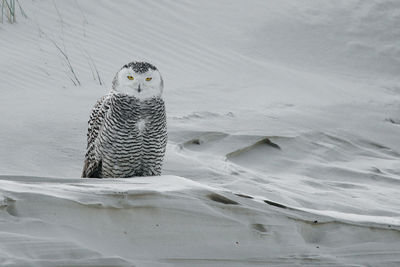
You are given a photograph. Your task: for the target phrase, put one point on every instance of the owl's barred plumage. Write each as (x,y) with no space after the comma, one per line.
(127,133)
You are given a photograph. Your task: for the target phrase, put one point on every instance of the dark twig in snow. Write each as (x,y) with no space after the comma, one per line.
(67,60)
(10,8)
(91,68)
(62,24)
(22,10)
(95,67)
(97,72)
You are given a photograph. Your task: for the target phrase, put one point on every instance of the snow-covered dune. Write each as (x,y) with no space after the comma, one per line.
(171,220)
(283,120)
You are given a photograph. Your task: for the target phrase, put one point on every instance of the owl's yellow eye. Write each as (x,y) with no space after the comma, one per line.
(130,77)
(148,79)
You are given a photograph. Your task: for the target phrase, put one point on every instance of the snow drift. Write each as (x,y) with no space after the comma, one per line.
(283,122)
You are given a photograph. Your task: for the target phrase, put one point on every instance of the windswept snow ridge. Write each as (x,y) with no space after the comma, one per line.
(170,220)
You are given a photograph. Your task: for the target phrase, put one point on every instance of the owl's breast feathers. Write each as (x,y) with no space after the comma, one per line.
(126,137)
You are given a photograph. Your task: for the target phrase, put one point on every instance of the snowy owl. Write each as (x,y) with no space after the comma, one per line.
(127,132)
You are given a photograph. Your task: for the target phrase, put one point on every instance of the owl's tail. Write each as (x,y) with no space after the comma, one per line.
(92,169)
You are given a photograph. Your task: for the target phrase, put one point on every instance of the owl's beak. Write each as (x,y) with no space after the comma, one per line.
(139,89)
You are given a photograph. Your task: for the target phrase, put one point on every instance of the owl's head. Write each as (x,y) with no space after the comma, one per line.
(138,79)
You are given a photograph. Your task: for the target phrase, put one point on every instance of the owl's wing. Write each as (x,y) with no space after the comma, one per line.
(92,165)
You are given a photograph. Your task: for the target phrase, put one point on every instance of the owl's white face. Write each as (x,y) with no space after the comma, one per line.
(142,85)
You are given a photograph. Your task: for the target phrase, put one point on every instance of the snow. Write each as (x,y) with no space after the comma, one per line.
(283,134)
